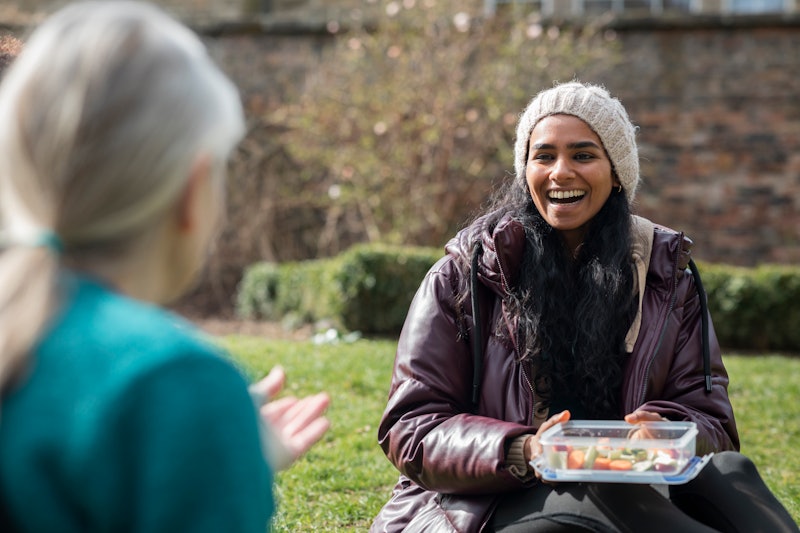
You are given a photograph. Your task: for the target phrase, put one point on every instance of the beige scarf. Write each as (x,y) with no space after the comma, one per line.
(642,237)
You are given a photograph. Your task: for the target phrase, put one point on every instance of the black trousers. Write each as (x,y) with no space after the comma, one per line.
(728,495)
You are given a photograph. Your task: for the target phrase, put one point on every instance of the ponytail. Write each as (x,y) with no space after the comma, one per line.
(103,116)
(27,302)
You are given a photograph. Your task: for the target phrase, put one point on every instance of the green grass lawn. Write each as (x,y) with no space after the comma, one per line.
(765,394)
(344,480)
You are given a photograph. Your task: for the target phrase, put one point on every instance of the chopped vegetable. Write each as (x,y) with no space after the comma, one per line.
(558,459)
(575,459)
(620,464)
(591,456)
(603,456)
(602,463)
(665,463)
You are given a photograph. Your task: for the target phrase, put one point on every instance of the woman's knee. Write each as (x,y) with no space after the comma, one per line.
(733,463)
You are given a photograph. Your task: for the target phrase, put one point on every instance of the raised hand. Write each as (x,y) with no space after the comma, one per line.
(293,424)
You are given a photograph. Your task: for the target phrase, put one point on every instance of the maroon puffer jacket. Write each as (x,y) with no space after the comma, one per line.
(452,457)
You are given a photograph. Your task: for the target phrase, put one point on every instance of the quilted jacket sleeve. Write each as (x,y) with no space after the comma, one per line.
(427,430)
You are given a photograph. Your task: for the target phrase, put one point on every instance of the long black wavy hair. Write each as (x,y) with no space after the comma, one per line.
(572,313)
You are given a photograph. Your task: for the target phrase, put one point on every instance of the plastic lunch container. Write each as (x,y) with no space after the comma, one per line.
(618,452)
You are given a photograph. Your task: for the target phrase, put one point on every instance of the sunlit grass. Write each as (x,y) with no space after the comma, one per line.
(343,481)
(765,393)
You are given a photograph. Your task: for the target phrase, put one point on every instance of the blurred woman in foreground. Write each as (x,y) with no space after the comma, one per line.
(115,129)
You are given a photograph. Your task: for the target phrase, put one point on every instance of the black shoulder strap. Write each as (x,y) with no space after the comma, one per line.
(477,336)
(703,324)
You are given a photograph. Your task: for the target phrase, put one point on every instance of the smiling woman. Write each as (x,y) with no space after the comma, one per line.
(572,308)
(569,175)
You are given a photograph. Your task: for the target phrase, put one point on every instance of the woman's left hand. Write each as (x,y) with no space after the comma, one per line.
(644,416)
(532,447)
(640,416)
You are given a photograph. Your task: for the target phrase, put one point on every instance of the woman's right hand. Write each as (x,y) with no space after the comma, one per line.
(295,423)
(533,448)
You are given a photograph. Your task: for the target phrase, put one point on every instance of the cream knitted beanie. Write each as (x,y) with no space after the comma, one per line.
(603,113)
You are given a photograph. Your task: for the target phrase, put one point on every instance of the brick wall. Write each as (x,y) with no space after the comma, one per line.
(720,135)
(719,115)
(716,100)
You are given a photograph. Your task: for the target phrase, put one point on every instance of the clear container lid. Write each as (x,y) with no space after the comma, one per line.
(618,452)
(646,434)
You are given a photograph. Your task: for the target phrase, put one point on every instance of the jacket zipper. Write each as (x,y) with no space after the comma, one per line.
(512,332)
(524,366)
(672,300)
(532,397)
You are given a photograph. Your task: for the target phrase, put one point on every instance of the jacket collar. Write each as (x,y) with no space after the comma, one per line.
(642,234)
(503,246)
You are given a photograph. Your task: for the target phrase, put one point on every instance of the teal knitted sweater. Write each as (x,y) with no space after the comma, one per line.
(129,421)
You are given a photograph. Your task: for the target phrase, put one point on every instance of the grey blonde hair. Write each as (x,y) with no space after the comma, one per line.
(104,113)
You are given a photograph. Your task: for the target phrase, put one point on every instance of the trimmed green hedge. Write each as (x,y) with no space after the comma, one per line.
(369,288)
(754,308)
(303,291)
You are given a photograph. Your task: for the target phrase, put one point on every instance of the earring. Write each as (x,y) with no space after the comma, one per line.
(619,189)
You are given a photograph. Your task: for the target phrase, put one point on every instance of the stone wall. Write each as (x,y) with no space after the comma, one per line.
(717,104)
(720,134)
(716,100)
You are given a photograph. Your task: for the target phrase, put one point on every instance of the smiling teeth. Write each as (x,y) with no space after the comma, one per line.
(562,195)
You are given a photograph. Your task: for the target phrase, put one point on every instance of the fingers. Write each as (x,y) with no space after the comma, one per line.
(304,412)
(643,416)
(271,384)
(302,441)
(533,448)
(275,410)
(563,416)
(298,421)
(293,411)
(640,416)
(633,418)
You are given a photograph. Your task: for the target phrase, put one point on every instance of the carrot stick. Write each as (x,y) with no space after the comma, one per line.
(602,463)
(620,464)
(575,459)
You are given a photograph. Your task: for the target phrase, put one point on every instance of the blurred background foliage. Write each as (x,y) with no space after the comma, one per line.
(409,117)
(397,134)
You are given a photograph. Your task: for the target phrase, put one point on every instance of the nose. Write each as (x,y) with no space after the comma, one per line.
(562,169)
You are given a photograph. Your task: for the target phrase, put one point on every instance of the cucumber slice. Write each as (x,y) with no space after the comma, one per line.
(558,460)
(591,455)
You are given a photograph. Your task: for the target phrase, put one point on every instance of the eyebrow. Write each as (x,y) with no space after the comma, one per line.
(571,146)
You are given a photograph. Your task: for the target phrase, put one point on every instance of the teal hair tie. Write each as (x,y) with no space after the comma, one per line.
(51,241)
